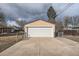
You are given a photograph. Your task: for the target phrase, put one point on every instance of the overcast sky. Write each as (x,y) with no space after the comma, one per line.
(33,11)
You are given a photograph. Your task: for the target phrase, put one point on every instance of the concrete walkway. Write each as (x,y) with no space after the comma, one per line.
(43,47)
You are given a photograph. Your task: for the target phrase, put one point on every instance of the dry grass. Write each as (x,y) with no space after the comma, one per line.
(74,38)
(7,41)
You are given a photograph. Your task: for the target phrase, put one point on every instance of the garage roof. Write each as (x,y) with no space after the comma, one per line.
(39,23)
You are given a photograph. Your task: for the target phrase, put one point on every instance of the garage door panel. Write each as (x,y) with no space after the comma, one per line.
(40,32)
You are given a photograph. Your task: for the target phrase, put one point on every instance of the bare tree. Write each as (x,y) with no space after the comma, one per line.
(2,17)
(59,26)
(66,21)
(21,22)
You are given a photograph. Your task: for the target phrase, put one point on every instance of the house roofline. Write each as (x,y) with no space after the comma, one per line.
(37,20)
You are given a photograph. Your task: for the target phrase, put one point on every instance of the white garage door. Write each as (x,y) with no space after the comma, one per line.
(40,32)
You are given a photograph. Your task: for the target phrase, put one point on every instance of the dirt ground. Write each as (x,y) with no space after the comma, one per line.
(43,47)
(7,41)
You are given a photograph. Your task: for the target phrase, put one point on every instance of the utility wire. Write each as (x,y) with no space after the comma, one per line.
(68,6)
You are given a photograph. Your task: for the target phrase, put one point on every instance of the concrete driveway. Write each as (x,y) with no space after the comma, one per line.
(43,47)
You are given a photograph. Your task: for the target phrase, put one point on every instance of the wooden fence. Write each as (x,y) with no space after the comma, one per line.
(71,32)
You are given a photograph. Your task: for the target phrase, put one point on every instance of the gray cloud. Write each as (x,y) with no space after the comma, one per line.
(31,11)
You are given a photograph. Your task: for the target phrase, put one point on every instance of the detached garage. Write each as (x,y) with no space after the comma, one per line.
(40,28)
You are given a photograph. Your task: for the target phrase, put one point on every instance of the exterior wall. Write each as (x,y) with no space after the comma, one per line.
(5,30)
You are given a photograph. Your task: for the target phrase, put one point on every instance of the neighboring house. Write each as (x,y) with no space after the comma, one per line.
(4,29)
(39,28)
(71,30)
